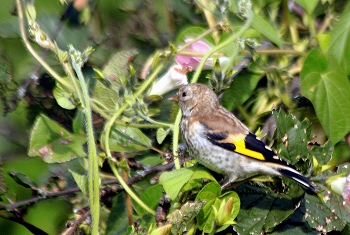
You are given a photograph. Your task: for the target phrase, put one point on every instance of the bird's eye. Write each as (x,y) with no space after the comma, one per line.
(184,94)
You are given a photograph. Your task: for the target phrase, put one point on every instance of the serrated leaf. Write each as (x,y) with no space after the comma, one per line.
(323,154)
(292,138)
(106,96)
(117,65)
(328,212)
(328,90)
(270,32)
(53,143)
(173,181)
(322,217)
(261,212)
(126,139)
(161,135)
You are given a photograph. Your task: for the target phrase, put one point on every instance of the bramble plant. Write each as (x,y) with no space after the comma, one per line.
(106,154)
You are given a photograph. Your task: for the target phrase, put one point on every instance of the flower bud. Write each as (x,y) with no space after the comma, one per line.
(174,78)
(199,47)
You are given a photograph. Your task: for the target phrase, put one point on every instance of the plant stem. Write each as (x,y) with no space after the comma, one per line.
(128,189)
(222,45)
(33,52)
(93,173)
(108,128)
(148,119)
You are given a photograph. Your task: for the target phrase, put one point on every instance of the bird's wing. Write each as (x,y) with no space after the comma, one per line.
(246,144)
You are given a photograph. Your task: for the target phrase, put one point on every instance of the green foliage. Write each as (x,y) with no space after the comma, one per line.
(219,211)
(174,181)
(53,143)
(327,88)
(245,84)
(261,25)
(100,136)
(127,139)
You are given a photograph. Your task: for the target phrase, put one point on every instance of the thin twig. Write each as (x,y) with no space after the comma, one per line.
(72,229)
(70,191)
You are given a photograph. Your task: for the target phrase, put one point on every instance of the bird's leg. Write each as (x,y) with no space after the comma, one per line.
(225,183)
(230,183)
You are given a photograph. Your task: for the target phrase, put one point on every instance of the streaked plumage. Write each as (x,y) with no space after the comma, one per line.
(219,141)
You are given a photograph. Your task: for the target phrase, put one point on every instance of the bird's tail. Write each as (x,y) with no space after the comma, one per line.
(307,184)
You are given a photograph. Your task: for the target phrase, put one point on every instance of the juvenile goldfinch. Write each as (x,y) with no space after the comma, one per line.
(220,142)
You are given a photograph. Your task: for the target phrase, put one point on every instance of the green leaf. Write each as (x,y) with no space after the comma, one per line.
(209,194)
(323,154)
(106,96)
(117,222)
(240,90)
(161,135)
(261,25)
(173,181)
(189,32)
(339,46)
(308,5)
(127,139)
(262,211)
(79,173)
(208,216)
(64,97)
(150,197)
(328,90)
(117,65)
(292,137)
(53,143)
(326,217)
(78,122)
(324,41)
(210,191)
(22,179)
(81,181)
(228,211)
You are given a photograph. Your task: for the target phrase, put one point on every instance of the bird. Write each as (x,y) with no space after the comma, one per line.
(221,142)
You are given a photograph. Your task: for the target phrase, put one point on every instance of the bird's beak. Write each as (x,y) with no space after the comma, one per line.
(174,98)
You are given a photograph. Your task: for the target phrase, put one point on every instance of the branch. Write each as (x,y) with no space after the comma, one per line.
(103,192)
(19,219)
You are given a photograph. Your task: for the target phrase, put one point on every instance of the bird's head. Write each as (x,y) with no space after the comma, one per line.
(195,98)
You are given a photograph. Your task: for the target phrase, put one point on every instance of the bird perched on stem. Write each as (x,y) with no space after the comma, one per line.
(222,143)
